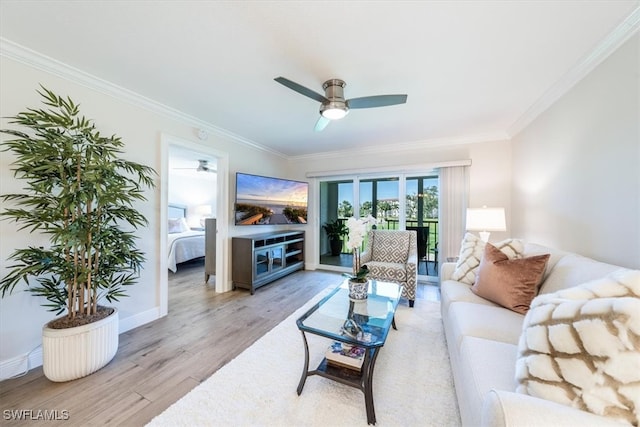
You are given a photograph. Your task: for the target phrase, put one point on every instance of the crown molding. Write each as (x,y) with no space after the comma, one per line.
(606,47)
(407,146)
(396,169)
(50,65)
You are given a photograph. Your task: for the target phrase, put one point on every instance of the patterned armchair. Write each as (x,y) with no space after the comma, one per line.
(392,256)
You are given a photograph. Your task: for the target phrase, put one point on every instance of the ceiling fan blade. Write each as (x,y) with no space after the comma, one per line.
(301,89)
(321,123)
(209,170)
(376,101)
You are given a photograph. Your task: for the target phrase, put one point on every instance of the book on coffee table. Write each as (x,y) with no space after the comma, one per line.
(345,355)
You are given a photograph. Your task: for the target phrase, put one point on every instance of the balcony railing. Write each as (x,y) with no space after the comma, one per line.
(427,236)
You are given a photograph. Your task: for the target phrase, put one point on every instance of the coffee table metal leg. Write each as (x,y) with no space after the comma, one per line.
(368,385)
(305,371)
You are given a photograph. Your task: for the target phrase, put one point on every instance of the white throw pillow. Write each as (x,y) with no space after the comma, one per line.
(471,251)
(581,347)
(178,225)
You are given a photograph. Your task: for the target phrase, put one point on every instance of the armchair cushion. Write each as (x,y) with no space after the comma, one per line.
(394,272)
(390,247)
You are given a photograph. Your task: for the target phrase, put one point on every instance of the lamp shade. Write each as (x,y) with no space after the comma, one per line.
(486,219)
(203,210)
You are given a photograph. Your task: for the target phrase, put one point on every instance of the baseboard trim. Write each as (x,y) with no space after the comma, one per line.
(139,319)
(20,365)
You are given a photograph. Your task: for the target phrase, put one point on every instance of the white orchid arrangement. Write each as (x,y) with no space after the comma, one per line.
(358,229)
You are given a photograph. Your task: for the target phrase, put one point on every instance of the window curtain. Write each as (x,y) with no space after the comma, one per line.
(452,203)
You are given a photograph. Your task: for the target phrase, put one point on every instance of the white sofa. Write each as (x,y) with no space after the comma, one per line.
(482,340)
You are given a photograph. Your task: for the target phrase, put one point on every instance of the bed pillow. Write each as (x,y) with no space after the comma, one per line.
(580,347)
(512,283)
(471,251)
(178,225)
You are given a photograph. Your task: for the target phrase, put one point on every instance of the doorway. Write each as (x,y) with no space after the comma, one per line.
(194,178)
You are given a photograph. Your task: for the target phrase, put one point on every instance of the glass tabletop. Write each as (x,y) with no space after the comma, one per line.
(364,323)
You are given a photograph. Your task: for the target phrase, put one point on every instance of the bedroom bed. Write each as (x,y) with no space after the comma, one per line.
(184,244)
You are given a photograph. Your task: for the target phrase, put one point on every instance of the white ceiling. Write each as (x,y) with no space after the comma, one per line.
(472,70)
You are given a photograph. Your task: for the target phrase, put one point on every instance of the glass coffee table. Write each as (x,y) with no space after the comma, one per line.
(364,324)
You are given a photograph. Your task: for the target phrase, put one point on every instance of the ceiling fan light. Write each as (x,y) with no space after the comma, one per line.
(334,113)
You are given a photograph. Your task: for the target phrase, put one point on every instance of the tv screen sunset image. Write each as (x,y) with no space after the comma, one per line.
(265,200)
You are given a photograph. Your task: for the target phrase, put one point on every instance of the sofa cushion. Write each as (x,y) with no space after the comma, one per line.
(531,249)
(580,347)
(512,283)
(471,250)
(483,321)
(452,291)
(572,270)
(485,365)
(507,408)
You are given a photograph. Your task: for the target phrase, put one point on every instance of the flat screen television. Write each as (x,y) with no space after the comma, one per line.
(262,200)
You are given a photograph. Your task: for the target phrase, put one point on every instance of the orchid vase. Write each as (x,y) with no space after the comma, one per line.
(358,229)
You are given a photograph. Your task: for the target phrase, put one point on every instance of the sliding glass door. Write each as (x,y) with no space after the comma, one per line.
(336,204)
(398,202)
(422,216)
(379,197)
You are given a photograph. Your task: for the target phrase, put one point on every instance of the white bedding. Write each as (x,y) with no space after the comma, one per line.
(184,247)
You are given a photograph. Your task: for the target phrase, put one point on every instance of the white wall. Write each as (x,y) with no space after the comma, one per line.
(490,181)
(201,192)
(576,179)
(21,317)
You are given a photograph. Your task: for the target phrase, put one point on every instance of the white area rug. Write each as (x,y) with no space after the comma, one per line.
(412,383)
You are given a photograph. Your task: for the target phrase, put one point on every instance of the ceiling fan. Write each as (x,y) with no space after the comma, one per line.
(203,166)
(333,106)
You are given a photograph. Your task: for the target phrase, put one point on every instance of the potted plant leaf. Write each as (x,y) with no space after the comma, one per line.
(335,230)
(80,193)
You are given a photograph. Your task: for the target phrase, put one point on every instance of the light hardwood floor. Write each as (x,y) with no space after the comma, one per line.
(160,362)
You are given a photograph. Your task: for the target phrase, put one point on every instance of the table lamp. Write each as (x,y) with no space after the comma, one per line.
(204,212)
(485,220)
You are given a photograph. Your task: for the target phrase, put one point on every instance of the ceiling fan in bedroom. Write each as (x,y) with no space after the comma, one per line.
(333,106)
(203,166)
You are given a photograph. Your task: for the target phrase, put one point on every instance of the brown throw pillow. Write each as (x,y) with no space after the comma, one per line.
(512,283)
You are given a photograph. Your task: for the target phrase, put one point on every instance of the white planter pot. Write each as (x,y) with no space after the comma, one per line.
(72,353)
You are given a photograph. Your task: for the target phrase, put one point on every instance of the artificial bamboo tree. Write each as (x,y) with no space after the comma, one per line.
(81,194)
